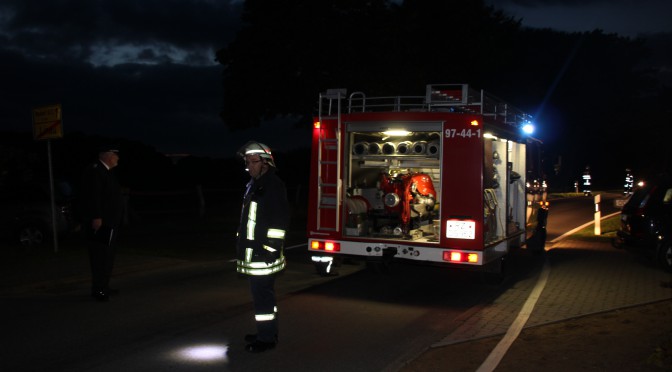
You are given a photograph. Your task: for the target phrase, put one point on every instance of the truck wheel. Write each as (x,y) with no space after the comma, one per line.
(665,255)
(379,267)
(495,274)
(617,243)
(31,235)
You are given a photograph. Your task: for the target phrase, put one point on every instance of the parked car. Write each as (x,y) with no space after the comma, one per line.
(646,221)
(26,214)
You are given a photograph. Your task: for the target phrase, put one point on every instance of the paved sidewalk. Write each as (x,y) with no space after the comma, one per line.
(582,278)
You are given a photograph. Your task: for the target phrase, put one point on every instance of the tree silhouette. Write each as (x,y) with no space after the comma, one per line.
(582,87)
(278,65)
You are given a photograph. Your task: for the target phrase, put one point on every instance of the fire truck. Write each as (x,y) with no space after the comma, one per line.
(448,178)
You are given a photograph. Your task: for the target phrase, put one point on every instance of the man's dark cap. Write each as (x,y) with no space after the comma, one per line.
(109,147)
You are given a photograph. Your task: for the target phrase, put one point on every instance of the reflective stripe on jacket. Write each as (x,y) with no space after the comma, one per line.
(263,224)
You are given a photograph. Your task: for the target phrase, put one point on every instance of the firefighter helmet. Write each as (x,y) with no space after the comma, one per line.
(254,147)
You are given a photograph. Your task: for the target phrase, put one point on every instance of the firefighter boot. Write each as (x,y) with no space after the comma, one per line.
(251,337)
(259,346)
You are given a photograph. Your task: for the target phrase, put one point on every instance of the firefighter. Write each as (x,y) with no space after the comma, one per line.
(259,250)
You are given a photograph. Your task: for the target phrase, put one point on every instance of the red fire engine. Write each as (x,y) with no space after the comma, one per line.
(448,178)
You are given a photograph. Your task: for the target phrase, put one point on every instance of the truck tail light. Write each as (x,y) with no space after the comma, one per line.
(327,246)
(460,257)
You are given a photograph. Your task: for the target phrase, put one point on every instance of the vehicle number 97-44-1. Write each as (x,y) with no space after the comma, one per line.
(463,133)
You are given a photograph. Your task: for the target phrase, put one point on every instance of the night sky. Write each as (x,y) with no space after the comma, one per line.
(146,70)
(625,17)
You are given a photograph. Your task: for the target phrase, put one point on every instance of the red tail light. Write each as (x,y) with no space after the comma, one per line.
(460,257)
(327,246)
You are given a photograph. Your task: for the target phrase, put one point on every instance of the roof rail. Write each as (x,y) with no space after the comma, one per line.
(459,98)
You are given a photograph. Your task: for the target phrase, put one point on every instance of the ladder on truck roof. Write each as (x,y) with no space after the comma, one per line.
(328,153)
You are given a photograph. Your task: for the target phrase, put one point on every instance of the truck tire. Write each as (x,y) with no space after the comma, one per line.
(665,255)
(31,235)
(380,267)
(495,274)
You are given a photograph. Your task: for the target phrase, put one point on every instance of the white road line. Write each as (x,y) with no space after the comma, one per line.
(286,248)
(512,333)
(516,327)
(570,232)
(297,246)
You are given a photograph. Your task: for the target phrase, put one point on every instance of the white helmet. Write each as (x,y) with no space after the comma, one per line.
(254,147)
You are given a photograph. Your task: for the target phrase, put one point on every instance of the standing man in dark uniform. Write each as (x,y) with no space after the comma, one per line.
(261,235)
(102,212)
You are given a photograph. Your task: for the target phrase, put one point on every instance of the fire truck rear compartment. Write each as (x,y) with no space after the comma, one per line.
(443,183)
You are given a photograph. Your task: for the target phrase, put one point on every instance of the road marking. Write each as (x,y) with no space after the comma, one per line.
(570,232)
(516,327)
(286,248)
(296,246)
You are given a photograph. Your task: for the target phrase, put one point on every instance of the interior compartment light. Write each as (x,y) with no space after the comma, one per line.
(396,133)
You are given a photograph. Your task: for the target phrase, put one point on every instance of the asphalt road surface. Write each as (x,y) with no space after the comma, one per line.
(191,315)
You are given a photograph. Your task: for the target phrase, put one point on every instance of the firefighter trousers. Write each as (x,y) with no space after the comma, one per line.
(265,309)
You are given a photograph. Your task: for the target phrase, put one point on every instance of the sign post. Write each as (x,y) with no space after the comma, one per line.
(598,215)
(48,125)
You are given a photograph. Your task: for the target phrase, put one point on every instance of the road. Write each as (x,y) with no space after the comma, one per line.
(192,315)
(567,214)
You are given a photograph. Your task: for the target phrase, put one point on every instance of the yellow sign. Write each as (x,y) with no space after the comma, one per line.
(47,122)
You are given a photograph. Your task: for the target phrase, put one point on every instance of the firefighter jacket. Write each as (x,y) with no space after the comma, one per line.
(263,222)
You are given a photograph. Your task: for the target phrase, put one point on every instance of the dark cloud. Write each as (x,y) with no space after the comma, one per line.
(142,70)
(78,29)
(624,17)
(570,3)
(139,69)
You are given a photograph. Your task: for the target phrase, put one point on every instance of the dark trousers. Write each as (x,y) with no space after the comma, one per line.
(101,258)
(265,310)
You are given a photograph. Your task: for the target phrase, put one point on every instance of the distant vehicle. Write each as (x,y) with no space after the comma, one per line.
(26,214)
(646,221)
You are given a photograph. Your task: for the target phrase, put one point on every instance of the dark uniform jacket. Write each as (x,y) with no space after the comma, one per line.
(263,222)
(101,197)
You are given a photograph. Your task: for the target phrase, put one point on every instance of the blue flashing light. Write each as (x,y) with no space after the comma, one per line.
(528,128)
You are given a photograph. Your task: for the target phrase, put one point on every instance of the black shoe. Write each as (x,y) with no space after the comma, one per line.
(259,346)
(100,296)
(253,337)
